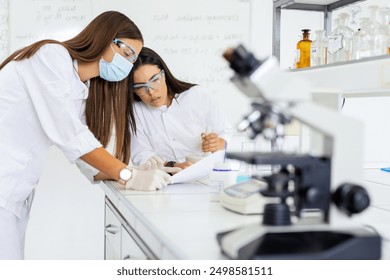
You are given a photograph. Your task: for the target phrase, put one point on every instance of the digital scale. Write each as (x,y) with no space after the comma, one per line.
(245,197)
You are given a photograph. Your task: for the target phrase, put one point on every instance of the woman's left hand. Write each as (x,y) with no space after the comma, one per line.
(182,165)
(212,143)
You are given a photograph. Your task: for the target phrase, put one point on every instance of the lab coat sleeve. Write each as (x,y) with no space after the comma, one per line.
(215,117)
(141,148)
(56,94)
(86,169)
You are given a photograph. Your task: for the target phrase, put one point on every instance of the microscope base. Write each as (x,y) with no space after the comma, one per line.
(287,243)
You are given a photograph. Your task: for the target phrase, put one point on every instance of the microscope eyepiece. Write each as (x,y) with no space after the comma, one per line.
(241,60)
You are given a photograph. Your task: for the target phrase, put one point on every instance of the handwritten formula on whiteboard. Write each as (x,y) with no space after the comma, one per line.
(46,19)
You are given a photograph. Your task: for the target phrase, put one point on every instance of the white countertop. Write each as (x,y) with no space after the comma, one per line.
(181,221)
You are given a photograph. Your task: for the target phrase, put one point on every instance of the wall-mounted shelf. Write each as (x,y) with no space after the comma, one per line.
(346,77)
(325,6)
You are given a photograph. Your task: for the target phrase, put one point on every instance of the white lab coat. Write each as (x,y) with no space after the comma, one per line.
(42,102)
(175,132)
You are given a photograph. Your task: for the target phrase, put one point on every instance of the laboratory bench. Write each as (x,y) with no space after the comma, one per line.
(181,221)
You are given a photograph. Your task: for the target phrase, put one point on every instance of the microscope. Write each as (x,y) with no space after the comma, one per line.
(318,192)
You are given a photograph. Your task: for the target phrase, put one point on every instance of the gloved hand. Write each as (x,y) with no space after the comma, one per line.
(148,180)
(157,162)
(153,162)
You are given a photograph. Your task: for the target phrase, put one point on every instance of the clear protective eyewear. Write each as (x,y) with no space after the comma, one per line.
(128,50)
(154,83)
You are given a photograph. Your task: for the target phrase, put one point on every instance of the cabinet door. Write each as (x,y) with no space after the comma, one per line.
(130,249)
(109,251)
(112,235)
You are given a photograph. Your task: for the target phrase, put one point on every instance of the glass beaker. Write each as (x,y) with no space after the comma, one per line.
(245,170)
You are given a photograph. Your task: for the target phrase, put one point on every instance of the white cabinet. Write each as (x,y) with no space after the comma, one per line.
(110,253)
(112,234)
(130,249)
(121,242)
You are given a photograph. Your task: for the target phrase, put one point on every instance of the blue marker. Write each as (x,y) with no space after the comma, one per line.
(386,169)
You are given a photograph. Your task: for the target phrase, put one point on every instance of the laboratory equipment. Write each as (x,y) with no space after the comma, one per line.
(245,197)
(384,20)
(340,41)
(245,170)
(319,49)
(325,7)
(363,40)
(303,50)
(354,10)
(223,175)
(378,29)
(322,189)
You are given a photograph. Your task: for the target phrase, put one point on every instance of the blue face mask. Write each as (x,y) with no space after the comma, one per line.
(116,70)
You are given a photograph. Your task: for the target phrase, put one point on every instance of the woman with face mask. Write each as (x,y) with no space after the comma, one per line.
(175,119)
(71,94)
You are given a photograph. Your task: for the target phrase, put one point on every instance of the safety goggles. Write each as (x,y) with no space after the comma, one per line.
(154,83)
(128,50)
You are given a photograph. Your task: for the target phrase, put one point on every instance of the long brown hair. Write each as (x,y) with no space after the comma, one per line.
(148,56)
(107,102)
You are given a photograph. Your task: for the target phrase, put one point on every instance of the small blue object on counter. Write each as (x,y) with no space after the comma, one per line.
(386,169)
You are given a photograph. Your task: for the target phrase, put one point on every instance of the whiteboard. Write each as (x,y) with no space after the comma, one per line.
(4,30)
(190,35)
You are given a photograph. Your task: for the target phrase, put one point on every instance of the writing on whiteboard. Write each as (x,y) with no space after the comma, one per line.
(199,39)
(46,19)
(4,30)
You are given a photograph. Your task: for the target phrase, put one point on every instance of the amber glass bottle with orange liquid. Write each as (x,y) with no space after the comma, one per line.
(303,49)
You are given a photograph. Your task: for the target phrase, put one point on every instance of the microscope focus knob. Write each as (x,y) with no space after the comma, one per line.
(351,198)
(313,195)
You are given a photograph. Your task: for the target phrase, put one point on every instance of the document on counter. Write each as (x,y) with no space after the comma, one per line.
(199,169)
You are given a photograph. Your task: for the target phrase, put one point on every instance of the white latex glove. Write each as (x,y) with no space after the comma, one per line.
(157,162)
(148,180)
(153,162)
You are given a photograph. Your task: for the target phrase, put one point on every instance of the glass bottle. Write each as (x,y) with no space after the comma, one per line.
(319,49)
(362,40)
(378,32)
(340,40)
(354,10)
(384,21)
(303,49)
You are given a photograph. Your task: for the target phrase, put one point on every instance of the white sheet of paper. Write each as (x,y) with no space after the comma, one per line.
(199,169)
